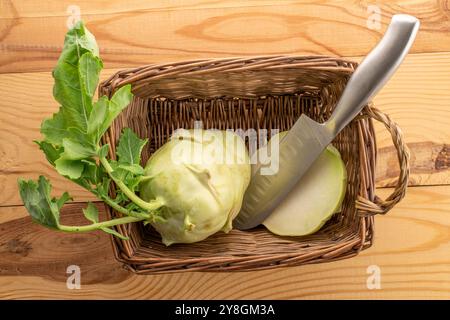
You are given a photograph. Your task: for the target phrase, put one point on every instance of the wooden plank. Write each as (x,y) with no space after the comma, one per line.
(52,8)
(417,98)
(420,107)
(412,250)
(44,253)
(32,34)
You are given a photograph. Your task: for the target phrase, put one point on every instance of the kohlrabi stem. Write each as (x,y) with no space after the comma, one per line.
(123,210)
(145,178)
(149,206)
(99,225)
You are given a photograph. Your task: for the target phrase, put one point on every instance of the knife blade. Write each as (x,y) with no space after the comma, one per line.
(307,138)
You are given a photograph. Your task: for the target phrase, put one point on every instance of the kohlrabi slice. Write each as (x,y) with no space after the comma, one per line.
(315,198)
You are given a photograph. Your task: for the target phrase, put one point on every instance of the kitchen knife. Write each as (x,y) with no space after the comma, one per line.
(307,138)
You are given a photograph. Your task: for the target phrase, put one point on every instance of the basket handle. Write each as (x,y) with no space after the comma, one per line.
(379,206)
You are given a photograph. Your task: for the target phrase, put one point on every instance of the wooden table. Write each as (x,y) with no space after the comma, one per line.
(412,242)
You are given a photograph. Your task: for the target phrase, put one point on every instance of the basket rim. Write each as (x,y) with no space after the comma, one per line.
(225,65)
(236,59)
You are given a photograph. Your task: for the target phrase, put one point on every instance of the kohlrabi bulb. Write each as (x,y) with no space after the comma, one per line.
(201,177)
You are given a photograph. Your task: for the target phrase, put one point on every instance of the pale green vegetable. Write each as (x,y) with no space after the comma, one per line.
(200,177)
(315,198)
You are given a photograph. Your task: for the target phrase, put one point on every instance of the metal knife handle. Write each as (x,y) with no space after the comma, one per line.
(375,70)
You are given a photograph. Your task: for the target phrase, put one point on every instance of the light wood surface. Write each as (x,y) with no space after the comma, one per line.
(412,250)
(139,32)
(412,242)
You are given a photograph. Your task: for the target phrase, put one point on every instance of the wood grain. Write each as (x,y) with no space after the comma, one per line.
(26,8)
(412,242)
(412,249)
(31,34)
(29,249)
(417,98)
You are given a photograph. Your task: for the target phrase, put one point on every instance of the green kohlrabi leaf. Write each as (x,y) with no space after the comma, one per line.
(36,198)
(70,168)
(71,162)
(72,143)
(54,129)
(128,168)
(105,111)
(117,172)
(77,150)
(89,67)
(74,132)
(114,233)
(133,168)
(103,151)
(129,174)
(98,117)
(129,148)
(76,76)
(66,141)
(121,98)
(91,212)
(103,188)
(51,152)
(62,200)
(46,210)
(92,174)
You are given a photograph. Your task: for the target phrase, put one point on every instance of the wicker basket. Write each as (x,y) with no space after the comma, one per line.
(259,92)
